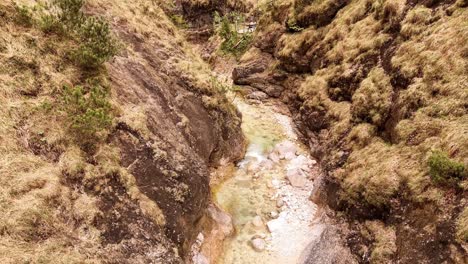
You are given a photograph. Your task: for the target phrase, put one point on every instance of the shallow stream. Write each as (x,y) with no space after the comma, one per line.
(273,219)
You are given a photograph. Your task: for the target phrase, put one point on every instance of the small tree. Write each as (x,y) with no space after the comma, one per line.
(70,12)
(88,111)
(97,44)
(227,27)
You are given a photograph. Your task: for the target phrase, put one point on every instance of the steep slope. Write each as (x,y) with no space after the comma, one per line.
(133,189)
(379,89)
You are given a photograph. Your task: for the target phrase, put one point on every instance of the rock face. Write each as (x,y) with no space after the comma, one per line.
(328,249)
(255,74)
(180,138)
(365,110)
(177,135)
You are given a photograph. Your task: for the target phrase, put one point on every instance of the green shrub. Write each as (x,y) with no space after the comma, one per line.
(227,28)
(97,44)
(292,26)
(179,21)
(70,12)
(23,16)
(50,24)
(444,170)
(88,111)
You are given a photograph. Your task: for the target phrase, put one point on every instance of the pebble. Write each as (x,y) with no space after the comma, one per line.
(257,221)
(279,202)
(258,244)
(274,214)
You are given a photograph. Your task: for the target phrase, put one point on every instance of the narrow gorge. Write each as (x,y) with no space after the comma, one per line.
(234,131)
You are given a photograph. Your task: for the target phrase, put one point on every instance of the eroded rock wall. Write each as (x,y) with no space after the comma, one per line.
(138,194)
(376,87)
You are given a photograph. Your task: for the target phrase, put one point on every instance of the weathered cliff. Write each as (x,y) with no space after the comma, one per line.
(379,90)
(135,194)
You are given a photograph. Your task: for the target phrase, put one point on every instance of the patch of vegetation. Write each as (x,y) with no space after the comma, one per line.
(372,100)
(292,26)
(227,27)
(70,12)
(88,111)
(64,17)
(462,225)
(24,16)
(179,21)
(97,44)
(49,24)
(443,170)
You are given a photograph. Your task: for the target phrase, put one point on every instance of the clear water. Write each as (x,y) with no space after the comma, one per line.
(251,193)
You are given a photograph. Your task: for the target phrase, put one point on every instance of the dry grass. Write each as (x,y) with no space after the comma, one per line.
(45,214)
(462,225)
(430,53)
(384,85)
(384,242)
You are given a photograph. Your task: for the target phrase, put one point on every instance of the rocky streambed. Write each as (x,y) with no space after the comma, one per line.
(267,197)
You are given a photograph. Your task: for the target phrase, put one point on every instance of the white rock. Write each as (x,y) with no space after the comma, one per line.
(258,244)
(279,202)
(200,259)
(253,166)
(289,155)
(273,156)
(286,149)
(222,219)
(266,165)
(275,183)
(274,214)
(257,221)
(200,238)
(257,95)
(296,177)
(301,162)
(274,225)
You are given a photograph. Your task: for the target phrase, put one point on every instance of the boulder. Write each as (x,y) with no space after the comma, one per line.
(257,95)
(200,259)
(301,162)
(286,150)
(296,177)
(273,156)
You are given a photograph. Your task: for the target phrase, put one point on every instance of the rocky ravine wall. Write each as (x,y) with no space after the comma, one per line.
(139,196)
(376,86)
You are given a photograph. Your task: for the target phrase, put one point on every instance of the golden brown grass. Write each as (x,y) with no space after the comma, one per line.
(382,85)
(43,218)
